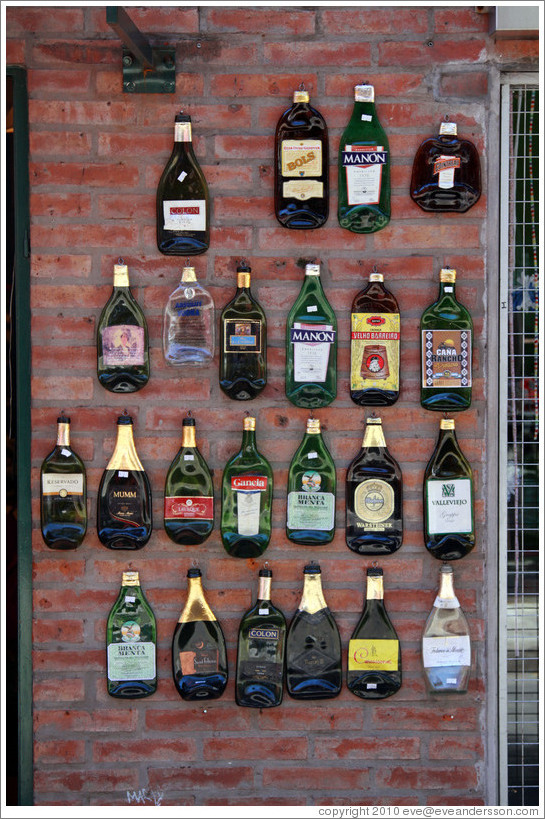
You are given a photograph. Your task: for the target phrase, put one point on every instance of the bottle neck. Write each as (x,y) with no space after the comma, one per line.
(375,588)
(447,289)
(446,586)
(196,607)
(264,589)
(182,132)
(248,440)
(373,436)
(361,112)
(125,455)
(188,436)
(63,434)
(313,597)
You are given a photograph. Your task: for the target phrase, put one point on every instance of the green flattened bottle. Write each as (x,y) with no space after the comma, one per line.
(449,521)
(189,493)
(311,345)
(374,655)
(311,491)
(364,168)
(63,496)
(313,645)
(122,339)
(243,342)
(446,351)
(260,657)
(246,499)
(199,657)
(131,642)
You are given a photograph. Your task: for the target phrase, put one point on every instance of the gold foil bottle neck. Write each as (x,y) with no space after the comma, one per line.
(130,579)
(196,607)
(312,270)
(313,426)
(125,455)
(243,279)
(364,93)
(248,425)
(374,435)
(188,436)
(447,275)
(447,423)
(448,129)
(376,277)
(446,583)
(264,589)
(301,96)
(313,597)
(63,434)
(375,587)
(121,275)
(188,275)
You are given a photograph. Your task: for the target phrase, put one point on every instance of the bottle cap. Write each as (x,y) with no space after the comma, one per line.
(188,275)
(448,129)
(374,421)
(447,423)
(301,96)
(188,421)
(376,277)
(182,117)
(194,572)
(124,419)
(312,270)
(249,423)
(243,267)
(265,573)
(312,568)
(243,279)
(130,579)
(364,93)
(446,568)
(447,275)
(313,425)
(374,571)
(63,419)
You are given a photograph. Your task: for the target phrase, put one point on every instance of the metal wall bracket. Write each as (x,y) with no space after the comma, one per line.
(146,69)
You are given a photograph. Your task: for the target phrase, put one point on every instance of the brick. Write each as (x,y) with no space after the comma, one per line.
(76,388)
(117,174)
(51,751)
(444,236)
(60,205)
(75,52)
(386,84)
(82,113)
(42,20)
(241,147)
(454,21)
(95,235)
(419,53)
(317,54)
(435,717)
(15,52)
(58,568)
(157,19)
(516,50)
(63,143)
(42,81)
(189,777)
(85,781)
(57,661)
(97,721)
(466,84)
(156,750)
(70,600)
(213,718)
(278,20)
(255,748)
(59,689)
(119,206)
(322,717)
(256,799)
(57,631)
(462,778)
(260,85)
(242,208)
(368,748)
(452,747)
(373,21)
(326,778)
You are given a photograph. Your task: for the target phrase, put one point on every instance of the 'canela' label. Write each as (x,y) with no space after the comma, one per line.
(374,503)
(363,166)
(373,655)
(450,506)
(446,360)
(374,351)
(189,508)
(63,486)
(446,651)
(311,350)
(301,158)
(123,345)
(309,507)
(184,214)
(248,490)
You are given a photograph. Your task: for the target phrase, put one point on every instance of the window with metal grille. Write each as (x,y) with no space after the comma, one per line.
(519,443)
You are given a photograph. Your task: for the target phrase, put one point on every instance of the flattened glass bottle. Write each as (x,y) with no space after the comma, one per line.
(122,339)
(301,178)
(131,642)
(374,497)
(449,527)
(311,345)
(243,342)
(374,655)
(189,493)
(364,168)
(313,645)
(188,324)
(311,490)
(63,496)
(446,647)
(374,345)
(246,498)
(446,350)
(260,657)
(199,657)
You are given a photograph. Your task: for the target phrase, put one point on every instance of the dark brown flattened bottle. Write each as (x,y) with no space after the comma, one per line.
(301,170)
(374,345)
(446,172)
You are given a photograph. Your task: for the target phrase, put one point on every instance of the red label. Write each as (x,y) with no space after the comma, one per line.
(359,335)
(187,209)
(444,164)
(254,483)
(199,508)
(376,321)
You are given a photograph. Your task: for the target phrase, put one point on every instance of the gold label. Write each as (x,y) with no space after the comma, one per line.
(374,501)
(373,655)
(303,189)
(301,157)
(374,351)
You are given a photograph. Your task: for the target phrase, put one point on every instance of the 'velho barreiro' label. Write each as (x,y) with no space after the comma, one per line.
(363,166)
(184,214)
(62,485)
(450,506)
(447,358)
(373,655)
(446,651)
(374,351)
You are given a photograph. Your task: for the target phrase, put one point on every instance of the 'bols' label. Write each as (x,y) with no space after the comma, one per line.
(184,214)
(301,157)
(131,659)
(203,660)
(374,503)
(374,351)
(189,508)
(125,505)
(363,165)
(123,345)
(311,349)
(446,651)
(62,485)
(310,508)
(373,655)
(450,506)
(444,166)
(447,358)
(242,336)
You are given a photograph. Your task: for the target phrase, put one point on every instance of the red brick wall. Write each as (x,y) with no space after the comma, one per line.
(96,156)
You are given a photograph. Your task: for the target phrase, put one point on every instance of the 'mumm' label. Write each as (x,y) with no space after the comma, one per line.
(124,494)
(364,158)
(312,336)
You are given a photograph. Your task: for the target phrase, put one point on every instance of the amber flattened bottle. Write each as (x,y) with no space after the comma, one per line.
(446,647)
(446,350)
(374,345)
(189,493)
(374,655)
(246,498)
(183,201)
(449,527)
(260,657)
(124,508)
(131,642)
(122,339)
(243,342)
(374,497)
(311,345)
(446,172)
(63,496)
(313,645)
(199,657)
(364,168)
(311,490)
(301,178)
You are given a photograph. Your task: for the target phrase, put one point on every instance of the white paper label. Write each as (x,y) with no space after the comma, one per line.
(134,661)
(312,455)
(312,308)
(446,603)
(66,452)
(363,181)
(54,483)
(366,118)
(311,347)
(122,474)
(449,506)
(446,651)
(129,599)
(189,457)
(263,611)
(371,685)
(184,214)
(248,507)
(182,176)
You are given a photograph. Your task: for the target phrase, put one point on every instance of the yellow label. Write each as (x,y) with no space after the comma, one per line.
(301,157)
(374,501)
(303,189)
(374,351)
(373,655)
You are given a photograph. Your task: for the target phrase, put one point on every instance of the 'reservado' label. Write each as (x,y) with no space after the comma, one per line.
(64,486)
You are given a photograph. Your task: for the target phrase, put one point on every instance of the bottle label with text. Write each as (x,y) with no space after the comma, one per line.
(444,167)
(447,358)
(373,655)
(189,508)
(242,336)
(311,508)
(374,351)
(184,214)
(64,486)
(204,660)
(301,158)
(311,348)
(374,502)
(450,506)
(125,505)
(123,345)
(248,489)
(131,661)
(363,165)
(446,651)
(303,189)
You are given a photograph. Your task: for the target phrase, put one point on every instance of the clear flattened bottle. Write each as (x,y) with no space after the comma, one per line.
(188,324)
